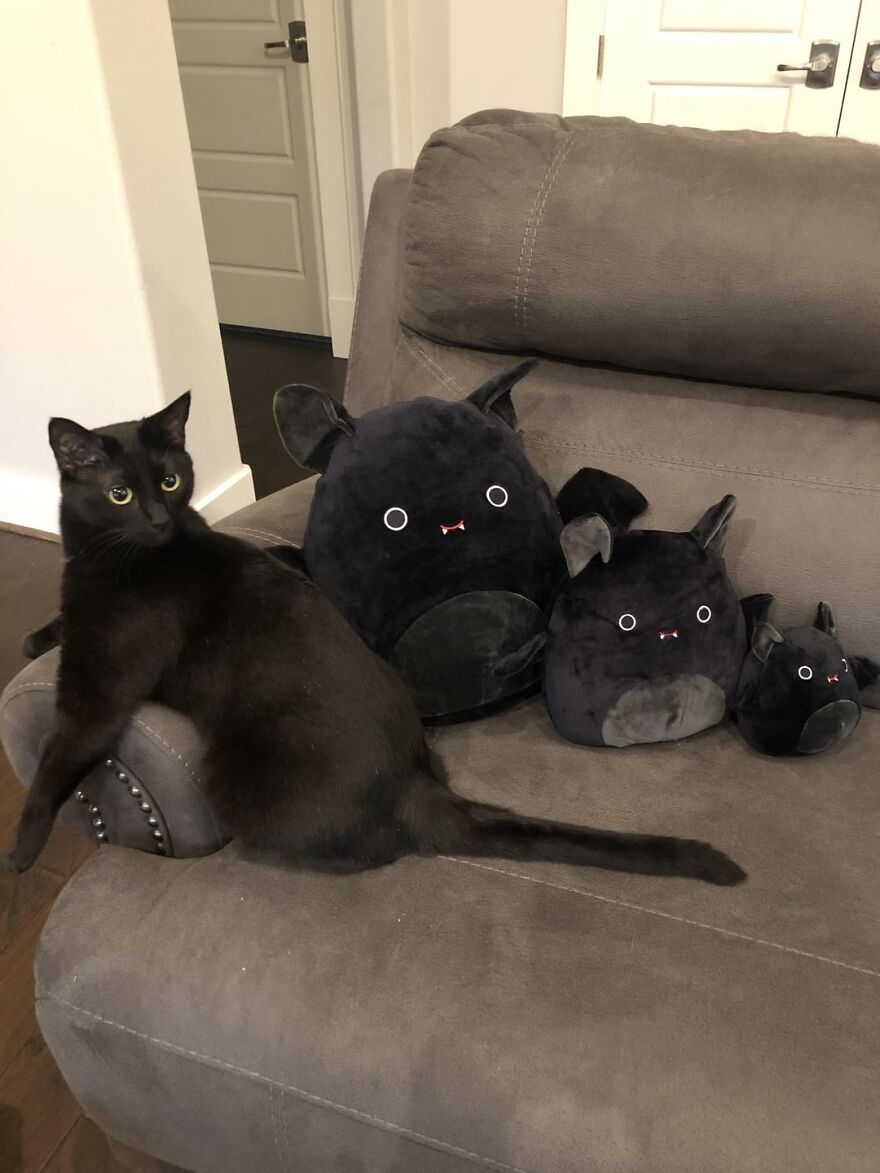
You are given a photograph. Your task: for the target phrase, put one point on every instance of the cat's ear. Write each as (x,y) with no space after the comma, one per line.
(310,423)
(764,638)
(75,447)
(711,530)
(583,539)
(825,621)
(167,428)
(494,395)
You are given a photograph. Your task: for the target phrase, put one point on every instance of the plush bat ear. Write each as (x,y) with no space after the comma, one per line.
(495,394)
(584,538)
(825,620)
(75,447)
(310,423)
(167,428)
(590,490)
(867,675)
(756,608)
(711,530)
(764,639)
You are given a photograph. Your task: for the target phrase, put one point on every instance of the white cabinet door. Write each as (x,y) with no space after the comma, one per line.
(861,104)
(249,116)
(713,63)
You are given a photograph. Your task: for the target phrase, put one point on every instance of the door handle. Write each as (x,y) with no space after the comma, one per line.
(821,67)
(297,42)
(870,79)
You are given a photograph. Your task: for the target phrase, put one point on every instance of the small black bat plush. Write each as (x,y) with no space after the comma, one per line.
(433,535)
(646,639)
(798,692)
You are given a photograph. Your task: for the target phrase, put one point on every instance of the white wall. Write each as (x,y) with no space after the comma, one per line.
(106,307)
(423,64)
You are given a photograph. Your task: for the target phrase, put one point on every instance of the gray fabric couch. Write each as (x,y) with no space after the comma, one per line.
(225,1016)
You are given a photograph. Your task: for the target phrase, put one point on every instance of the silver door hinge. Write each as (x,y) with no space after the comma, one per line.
(600,56)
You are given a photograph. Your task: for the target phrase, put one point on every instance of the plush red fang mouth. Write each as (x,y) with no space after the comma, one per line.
(833,679)
(669,635)
(449,528)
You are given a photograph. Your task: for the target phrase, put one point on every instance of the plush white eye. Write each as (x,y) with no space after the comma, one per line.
(805,672)
(497,495)
(845,665)
(626,622)
(704,613)
(395,518)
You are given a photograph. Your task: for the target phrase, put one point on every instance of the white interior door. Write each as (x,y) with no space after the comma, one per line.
(714,64)
(861,104)
(249,117)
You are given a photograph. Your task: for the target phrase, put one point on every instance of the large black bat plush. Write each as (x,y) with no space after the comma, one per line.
(798,692)
(646,639)
(434,536)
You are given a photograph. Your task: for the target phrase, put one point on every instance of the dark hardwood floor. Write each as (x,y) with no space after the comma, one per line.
(41,1127)
(257,364)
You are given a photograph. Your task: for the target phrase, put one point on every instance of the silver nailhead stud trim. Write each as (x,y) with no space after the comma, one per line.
(122,776)
(94,810)
(98,822)
(101,836)
(134,791)
(158,835)
(145,807)
(80,797)
(109,763)
(151,822)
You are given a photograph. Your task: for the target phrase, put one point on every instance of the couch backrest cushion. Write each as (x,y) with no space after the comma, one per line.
(736,256)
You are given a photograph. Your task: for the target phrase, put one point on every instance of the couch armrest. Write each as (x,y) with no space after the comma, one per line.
(148,792)
(279,518)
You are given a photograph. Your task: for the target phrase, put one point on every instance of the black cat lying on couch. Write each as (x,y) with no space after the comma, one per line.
(315,750)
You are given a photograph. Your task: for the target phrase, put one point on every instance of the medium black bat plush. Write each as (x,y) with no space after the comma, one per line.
(434,536)
(798,692)
(646,640)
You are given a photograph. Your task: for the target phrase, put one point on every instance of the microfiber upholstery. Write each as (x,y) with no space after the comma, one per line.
(444,1016)
(726,255)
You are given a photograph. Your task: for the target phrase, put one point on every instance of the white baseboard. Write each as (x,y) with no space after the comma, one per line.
(233,493)
(32,502)
(341,321)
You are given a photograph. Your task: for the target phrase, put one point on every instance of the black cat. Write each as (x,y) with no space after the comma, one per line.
(315,750)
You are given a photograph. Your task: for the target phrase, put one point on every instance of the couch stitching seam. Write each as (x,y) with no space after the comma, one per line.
(309,1097)
(561,154)
(258,533)
(859,488)
(422,356)
(518,306)
(666,916)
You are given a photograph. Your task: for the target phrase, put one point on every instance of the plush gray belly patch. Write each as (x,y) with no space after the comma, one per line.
(664,710)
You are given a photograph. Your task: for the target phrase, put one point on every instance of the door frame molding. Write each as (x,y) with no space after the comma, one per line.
(339,197)
(584,24)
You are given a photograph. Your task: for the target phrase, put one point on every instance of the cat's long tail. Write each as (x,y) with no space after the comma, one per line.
(443,822)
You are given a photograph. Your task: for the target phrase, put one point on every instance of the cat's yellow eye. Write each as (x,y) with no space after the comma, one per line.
(120,494)
(170,482)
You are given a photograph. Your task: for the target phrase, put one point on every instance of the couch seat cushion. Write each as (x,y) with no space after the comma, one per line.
(447,1014)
